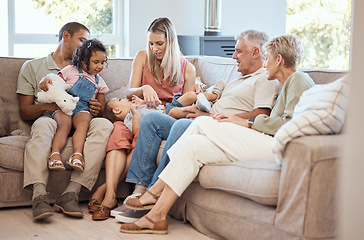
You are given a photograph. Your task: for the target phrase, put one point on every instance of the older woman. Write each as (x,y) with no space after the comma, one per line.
(224,138)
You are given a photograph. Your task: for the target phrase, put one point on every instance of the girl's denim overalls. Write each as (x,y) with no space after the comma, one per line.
(85,90)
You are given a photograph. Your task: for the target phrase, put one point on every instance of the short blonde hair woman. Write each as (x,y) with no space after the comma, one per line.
(226,140)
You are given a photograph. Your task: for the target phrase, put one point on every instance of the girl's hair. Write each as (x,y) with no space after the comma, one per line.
(84,53)
(171,63)
(109,114)
(254,38)
(289,46)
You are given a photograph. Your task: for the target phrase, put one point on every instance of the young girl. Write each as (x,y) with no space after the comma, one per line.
(86,84)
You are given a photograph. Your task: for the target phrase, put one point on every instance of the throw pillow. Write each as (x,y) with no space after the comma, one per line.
(320,110)
(4,119)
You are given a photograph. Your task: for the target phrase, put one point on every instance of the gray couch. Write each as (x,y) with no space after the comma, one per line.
(242,200)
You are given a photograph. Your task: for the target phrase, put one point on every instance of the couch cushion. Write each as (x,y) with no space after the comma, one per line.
(4,119)
(116,75)
(320,110)
(211,69)
(256,180)
(9,71)
(12,152)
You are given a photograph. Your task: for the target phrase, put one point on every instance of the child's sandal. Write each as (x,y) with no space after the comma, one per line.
(75,163)
(55,164)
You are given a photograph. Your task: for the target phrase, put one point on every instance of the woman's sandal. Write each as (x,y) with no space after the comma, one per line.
(135,204)
(76,164)
(160,227)
(55,164)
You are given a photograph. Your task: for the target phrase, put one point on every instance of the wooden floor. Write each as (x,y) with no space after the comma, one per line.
(18,223)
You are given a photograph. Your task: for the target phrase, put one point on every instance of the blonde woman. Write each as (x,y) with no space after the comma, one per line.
(159,73)
(223,138)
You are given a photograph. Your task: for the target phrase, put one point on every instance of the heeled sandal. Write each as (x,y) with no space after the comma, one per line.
(135,204)
(55,164)
(75,163)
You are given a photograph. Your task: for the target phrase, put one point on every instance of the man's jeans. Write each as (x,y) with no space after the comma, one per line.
(154,128)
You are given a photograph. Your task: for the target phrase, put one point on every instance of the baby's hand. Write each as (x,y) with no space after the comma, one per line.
(43,84)
(132,108)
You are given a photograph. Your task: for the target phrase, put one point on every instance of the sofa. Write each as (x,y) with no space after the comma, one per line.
(241,200)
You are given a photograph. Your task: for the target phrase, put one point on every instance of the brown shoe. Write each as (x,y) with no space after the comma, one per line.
(41,208)
(93,205)
(103,212)
(160,227)
(135,204)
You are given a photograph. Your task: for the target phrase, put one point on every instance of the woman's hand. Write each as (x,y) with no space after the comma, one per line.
(150,96)
(43,84)
(225,117)
(95,107)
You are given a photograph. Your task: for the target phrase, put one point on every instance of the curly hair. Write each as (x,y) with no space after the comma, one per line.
(84,53)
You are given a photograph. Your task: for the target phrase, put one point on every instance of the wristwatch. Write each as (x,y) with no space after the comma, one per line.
(250,122)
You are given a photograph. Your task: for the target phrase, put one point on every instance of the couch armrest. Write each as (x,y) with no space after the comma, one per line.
(307,198)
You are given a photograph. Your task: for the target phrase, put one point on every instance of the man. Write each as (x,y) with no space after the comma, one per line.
(37,149)
(250,95)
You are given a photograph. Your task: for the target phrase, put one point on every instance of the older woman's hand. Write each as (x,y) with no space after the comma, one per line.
(150,96)
(225,117)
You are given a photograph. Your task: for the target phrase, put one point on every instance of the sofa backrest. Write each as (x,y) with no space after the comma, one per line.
(117,75)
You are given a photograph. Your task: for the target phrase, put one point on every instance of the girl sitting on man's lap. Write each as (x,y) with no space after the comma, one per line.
(86,84)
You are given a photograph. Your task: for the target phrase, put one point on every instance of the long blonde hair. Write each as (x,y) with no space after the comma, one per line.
(171,63)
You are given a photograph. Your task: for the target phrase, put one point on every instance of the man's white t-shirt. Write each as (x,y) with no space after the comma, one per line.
(247,93)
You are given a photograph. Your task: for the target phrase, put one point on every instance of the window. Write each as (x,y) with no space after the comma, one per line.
(34,24)
(324,29)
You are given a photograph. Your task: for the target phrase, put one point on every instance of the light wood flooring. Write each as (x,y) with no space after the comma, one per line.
(18,223)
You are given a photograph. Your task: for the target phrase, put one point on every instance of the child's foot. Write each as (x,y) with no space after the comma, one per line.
(76,162)
(202,103)
(218,88)
(54,162)
(137,100)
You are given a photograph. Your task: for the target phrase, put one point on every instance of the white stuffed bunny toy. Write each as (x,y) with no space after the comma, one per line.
(57,93)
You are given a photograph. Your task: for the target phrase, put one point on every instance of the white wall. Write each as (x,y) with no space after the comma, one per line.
(352,190)
(188,16)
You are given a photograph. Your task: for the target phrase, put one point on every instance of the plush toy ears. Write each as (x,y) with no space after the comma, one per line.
(75,99)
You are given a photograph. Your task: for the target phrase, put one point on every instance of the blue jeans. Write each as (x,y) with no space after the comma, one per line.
(154,128)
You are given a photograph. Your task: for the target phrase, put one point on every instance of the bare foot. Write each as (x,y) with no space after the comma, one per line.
(109,200)
(137,100)
(99,193)
(147,198)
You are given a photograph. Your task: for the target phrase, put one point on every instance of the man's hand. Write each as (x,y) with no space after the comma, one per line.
(95,107)
(43,84)
(194,112)
(225,117)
